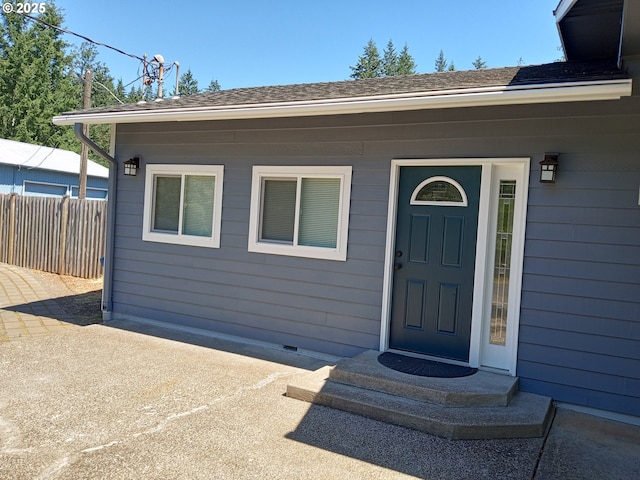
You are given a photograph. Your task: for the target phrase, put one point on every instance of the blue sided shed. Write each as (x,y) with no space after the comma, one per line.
(36,170)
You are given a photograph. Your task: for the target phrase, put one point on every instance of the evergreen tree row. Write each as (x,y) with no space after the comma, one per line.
(370,64)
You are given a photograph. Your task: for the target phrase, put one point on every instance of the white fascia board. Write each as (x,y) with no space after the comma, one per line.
(458,98)
(563,8)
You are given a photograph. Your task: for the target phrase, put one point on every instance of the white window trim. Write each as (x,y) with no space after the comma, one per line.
(504,357)
(451,181)
(148,235)
(261,172)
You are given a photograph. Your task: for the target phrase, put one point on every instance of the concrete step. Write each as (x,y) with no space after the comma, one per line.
(526,416)
(484,405)
(482,389)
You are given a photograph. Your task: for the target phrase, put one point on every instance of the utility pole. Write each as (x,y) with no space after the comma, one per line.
(84,153)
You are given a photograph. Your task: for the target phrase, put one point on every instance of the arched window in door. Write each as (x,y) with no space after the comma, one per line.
(439,191)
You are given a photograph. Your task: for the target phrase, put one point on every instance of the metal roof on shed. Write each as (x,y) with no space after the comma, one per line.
(32,156)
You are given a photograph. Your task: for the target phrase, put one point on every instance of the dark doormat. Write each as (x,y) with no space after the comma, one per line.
(422,367)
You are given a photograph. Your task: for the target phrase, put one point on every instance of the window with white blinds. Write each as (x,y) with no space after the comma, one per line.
(197,208)
(278,210)
(183,204)
(166,209)
(319,212)
(300,211)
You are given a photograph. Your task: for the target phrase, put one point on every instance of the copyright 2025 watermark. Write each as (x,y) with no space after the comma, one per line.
(24,7)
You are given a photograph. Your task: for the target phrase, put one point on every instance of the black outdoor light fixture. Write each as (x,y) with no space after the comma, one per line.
(548,168)
(131,166)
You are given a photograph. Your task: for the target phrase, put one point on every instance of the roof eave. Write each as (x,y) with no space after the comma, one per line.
(459,98)
(560,12)
(563,8)
(591,30)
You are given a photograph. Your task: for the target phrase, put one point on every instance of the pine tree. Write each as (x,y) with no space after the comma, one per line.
(36,80)
(139,94)
(120,91)
(214,86)
(86,56)
(451,67)
(135,95)
(479,64)
(369,63)
(441,62)
(188,85)
(390,60)
(406,64)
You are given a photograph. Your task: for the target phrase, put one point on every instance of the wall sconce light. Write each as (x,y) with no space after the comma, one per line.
(131,166)
(548,168)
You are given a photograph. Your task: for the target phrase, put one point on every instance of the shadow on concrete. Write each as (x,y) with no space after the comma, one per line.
(415,453)
(254,350)
(81,309)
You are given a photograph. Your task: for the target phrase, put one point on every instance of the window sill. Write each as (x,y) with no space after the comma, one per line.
(191,241)
(299,251)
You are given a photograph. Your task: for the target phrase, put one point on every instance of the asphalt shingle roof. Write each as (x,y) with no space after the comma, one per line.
(559,72)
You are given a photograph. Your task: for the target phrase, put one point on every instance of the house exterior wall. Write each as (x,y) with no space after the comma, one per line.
(580,315)
(13,178)
(322,305)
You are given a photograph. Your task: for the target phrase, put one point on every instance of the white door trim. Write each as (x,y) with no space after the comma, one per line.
(485,242)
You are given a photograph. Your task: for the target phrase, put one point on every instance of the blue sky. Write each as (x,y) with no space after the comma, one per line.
(244,43)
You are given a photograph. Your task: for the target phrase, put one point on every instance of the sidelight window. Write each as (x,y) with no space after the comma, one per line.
(502,262)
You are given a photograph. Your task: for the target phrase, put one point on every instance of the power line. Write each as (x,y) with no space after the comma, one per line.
(132,82)
(151,74)
(60,29)
(148,76)
(110,92)
(94,81)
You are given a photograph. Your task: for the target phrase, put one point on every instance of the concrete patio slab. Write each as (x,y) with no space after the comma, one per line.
(105,402)
(584,447)
(130,401)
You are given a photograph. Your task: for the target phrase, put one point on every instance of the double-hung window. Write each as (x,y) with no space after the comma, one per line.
(300,211)
(183,204)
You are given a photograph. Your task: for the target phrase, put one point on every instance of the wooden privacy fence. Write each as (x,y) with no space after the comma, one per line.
(58,235)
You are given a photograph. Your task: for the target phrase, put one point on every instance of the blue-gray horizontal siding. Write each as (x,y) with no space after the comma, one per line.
(12,179)
(313,304)
(580,316)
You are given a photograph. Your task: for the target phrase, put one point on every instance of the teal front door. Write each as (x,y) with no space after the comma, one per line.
(435,252)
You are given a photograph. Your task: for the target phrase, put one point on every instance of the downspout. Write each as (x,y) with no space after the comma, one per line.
(107,288)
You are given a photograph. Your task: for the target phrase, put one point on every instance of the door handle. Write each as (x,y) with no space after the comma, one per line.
(397,266)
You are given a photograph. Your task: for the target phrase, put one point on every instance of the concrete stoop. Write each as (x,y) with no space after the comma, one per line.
(480,406)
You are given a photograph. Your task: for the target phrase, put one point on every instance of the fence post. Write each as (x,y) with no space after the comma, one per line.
(64,220)
(12,227)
